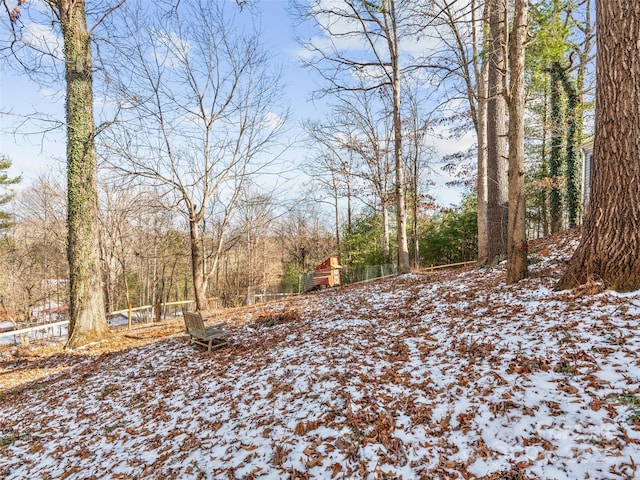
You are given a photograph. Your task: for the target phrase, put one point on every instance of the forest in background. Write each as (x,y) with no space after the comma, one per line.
(145,254)
(163,200)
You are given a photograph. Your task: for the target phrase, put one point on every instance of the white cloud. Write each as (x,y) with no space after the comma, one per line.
(43,39)
(336,32)
(272,120)
(170,48)
(444,145)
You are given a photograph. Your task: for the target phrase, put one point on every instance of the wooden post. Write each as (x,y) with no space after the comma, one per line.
(158,312)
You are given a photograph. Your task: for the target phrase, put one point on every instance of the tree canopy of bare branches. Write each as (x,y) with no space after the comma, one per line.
(198,109)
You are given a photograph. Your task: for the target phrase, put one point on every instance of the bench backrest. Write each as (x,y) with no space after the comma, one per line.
(193,321)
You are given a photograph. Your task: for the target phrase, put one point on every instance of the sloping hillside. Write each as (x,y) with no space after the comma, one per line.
(454,375)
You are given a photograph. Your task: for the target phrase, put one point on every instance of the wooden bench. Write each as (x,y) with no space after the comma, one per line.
(211,337)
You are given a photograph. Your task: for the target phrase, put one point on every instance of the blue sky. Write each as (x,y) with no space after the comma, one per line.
(36,154)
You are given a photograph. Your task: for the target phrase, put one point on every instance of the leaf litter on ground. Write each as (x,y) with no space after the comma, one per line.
(450,375)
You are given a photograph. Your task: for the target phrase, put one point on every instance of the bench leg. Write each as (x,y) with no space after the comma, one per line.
(210,344)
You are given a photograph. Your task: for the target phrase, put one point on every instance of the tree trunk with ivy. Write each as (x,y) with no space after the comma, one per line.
(555,151)
(610,247)
(571,155)
(87,319)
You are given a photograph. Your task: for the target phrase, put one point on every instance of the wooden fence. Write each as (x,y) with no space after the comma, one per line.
(433,268)
(144,314)
(150,313)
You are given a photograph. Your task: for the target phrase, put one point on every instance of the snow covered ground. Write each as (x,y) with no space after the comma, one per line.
(437,377)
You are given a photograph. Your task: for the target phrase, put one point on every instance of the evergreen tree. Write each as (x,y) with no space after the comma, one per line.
(560,32)
(5,181)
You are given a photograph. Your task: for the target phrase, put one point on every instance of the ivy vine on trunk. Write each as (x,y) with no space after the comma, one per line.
(555,151)
(87,319)
(573,131)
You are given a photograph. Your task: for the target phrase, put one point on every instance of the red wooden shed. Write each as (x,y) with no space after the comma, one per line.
(327,273)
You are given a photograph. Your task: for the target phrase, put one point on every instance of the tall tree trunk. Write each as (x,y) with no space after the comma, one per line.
(610,246)
(497,162)
(481,75)
(401,208)
(517,239)
(482,187)
(415,239)
(87,319)
(336,211)
(573,133)
(386,249)
(197,267)
(584,59)
(349,214)
(555,154)
(544,170)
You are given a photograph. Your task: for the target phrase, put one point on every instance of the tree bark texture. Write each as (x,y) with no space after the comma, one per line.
(386,244)
(87,319)
(497,162)
(610,246)
(517,231)
(197,266)
(415,234)
(481,73)
(481,186)
(401,208)
(584,61)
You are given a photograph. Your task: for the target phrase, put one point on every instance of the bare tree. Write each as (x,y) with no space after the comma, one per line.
(368,134)
(32,256)
(304,241)
(359,137)
(119,208)
(199,108)
(481,74)
(459,64)
(417,127)
(364,42)
(256,212)
(326,173)
(331,167)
